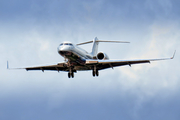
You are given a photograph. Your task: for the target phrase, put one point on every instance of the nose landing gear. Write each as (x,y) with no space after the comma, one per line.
(70,73)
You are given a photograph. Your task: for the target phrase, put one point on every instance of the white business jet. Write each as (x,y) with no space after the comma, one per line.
(77,59)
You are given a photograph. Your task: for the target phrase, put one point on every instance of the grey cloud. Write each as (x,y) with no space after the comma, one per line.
(76,106)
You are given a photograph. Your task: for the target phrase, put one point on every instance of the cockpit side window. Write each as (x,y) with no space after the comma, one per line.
(61,44)
(70,44)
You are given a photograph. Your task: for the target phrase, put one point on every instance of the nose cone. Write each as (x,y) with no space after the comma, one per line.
(62,50)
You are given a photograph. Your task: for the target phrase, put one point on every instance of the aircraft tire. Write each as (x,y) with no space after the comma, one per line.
(69,75)
(72,74)
(97,73)
(93,73)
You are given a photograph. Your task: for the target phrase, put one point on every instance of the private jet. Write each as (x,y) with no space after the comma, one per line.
(77,59)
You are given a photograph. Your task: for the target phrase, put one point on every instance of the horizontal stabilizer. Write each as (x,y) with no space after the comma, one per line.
(103,41)
(84,43)
(113,41)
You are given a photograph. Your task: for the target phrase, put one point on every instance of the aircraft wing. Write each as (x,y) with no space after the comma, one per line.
(54,67)
(103,64)
(89,64)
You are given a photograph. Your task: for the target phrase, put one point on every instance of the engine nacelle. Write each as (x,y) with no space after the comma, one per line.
(102,56)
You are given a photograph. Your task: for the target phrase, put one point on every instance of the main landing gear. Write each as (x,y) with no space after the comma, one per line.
(95,72)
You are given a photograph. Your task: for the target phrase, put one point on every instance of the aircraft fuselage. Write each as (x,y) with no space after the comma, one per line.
(74,54)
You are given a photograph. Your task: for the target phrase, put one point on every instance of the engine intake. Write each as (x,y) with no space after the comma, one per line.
(102,56)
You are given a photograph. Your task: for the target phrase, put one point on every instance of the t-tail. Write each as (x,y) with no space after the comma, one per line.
(95,47)
(95,42)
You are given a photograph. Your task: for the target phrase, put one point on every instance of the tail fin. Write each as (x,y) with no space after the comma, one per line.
(95,46)
(96,43)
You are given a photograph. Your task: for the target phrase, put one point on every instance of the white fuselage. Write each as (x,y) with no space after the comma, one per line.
(72,52)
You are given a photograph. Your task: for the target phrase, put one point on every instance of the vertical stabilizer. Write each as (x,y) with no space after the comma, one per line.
(95,42)
(95,46)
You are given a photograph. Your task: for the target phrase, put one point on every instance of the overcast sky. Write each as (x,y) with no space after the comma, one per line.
(30,32)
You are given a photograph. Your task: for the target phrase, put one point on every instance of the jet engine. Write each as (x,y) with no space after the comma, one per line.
(102,56)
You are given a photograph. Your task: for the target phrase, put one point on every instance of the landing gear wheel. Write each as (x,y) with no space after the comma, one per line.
(69,75)
(93,73)
(97,73)
(72,74)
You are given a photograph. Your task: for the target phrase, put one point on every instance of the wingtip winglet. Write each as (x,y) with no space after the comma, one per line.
(173,55)
(7,65)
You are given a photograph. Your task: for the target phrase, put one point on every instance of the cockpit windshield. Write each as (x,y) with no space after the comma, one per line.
(66,44)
